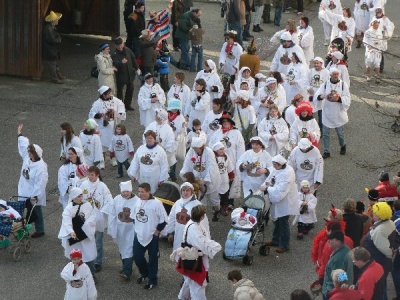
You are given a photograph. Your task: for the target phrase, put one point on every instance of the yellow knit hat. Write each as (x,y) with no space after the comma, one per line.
(382,210)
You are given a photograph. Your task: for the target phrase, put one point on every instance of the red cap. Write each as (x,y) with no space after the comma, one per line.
(75,253)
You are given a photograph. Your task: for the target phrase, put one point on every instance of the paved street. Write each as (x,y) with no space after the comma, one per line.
(43,106)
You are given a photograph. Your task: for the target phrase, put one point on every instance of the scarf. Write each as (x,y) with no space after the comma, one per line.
(229,47)
(225,130)
(172,116)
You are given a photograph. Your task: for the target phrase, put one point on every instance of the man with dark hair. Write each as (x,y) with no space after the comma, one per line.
(125,62)
(340,259)
(134,26)
(150,217)
(370,282)
(244,288)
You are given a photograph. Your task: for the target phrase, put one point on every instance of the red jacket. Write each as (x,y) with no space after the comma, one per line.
(344,294)
(387,191)
(369,279)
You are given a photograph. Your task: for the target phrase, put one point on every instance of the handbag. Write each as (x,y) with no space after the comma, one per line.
(77,223)
(189,265)
(94,72)
(181,144)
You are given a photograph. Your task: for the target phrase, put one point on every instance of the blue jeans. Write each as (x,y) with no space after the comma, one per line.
(326,134)
(278,15)
(125,163)
(39,223)
(281,233)
(99,247)
(184,53)
(196,51)
(238,28)
(147,269)
(90,264)
(127,264)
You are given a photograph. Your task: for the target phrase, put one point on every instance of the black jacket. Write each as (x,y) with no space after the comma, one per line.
(50,41)
(354,227)
(126,72)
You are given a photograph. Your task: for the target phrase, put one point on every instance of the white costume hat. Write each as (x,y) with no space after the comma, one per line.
(286,36)
(197,142)
(187,184)
(38,150)
(126,186)
(78,151)
(304,144)
(270,80)
(332,70)
(162,114)
(103,89)
(279,159)
(260,76)
(338,55)
(257,138)
(243,94)
(317,58)
(74,192)
(304,183)
(218,146)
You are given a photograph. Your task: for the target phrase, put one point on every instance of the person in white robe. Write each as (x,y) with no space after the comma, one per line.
(33,180)
(68,140)
(295,79)
(335,93)
(243,76)
(196,131)
(165,136)
(307,163)
(179,90)
(305,126)
(282,56)
(268,95)
(180,215)
(151,97)
(315,77)
(289,113)
(121,148)
(68,175)
(199,104)
(337,62)
(362,18)
(198,237)
(306,39)
(211,124)
(121,227)
(150,163)
(79,281)
(244,115)
(374,6)
(307,203)
(202,162)
(98,195)
(374,44)
(78,228)
(150,219)
(334,6)
(282,192)
(91,143)
(213,84)
(234,146)
(230,55)
(108,111)
(253,166)
(290,27)
(274,131)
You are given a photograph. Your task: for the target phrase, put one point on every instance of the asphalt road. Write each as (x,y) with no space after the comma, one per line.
(43,106)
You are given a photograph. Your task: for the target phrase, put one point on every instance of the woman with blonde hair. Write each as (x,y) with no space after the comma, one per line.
(291,28)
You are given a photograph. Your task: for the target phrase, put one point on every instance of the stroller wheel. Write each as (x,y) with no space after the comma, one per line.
(17,254)
(248,260)
(264,250)
(27,246)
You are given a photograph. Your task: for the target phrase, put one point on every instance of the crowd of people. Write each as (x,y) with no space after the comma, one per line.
(236,131)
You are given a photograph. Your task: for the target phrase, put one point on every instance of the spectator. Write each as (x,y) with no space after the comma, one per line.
(278,4)
(354,224)
(163,60)
(125,62)
(105,67)
(341,290)
(196,37)
(396,261)
(148,49)
(178,9)
(135,28)
(370,279)
(51,39)
(186,22)
(250,59)
(300,295)
(386,190)
(258,7)
(234,13)
(338,260)
(373,197)
(248,4)
(367,221)
(244,288)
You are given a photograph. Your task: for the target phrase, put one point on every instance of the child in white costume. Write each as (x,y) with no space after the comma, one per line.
(120,225)
(91,143)
(79,281)
(151,97)
(211,78)
(179,90)
(199,104)
(68,140)
(195,132)
(307,204)
(122,148)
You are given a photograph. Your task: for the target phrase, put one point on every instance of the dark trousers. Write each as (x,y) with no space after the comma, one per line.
(266,16)
(147,269)
(120,168)
(175,40)
(281,233)
(246,28)
(382,63)
(184,43)
(53,68)
(135,46)
(304,228)
(164,82)
(300,5)
(127,264)
(128,92)
(224,198)
(278,15)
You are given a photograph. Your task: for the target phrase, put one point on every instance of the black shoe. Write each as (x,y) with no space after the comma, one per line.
(141,279)
(255,29)
(267,21)
(259,28)
(343,150)
(246,39)
(326,155)
(129,108)
(215,217)
(97,268)
(149,286)
(37,235)
(248,35)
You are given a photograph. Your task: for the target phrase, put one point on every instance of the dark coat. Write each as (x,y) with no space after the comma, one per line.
(177,11)
(354,228)
(233,11)
(126,72)
(186,23)
(136,24)
(50,41)
(149,53)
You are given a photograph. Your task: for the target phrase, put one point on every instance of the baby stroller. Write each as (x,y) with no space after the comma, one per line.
(18,229)
(168,193)
(247,228)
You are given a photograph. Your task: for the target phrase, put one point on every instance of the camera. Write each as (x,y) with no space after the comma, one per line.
(303,209)
(153,95)
(105,123)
